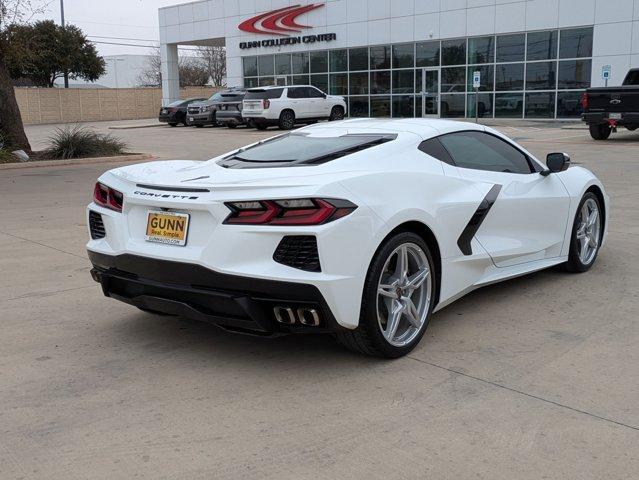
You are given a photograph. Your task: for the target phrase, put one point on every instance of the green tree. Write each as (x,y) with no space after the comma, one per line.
(44,51)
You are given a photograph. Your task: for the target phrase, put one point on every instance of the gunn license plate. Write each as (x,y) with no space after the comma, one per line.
(167,227)
(614,116)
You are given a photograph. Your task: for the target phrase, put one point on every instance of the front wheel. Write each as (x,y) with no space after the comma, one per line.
(599,131)
(337,113)
(398,298)
(587,232)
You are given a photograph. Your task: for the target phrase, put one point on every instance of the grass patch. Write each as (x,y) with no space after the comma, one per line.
(6,156)
(82,142)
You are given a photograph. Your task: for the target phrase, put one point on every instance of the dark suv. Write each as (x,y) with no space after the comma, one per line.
(205,112)
(175,112)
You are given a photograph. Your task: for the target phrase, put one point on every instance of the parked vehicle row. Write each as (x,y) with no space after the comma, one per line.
(282,106)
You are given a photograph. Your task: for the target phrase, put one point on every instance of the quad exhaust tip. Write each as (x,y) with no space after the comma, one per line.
(305,316)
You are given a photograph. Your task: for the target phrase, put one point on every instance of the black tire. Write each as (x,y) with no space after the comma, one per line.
(574,263)
(287,120)
(261,126)
(367,338)
(199,125)
(337,113)
(231,125)
(599,131)
(250,124)
(632,128)
(173,124)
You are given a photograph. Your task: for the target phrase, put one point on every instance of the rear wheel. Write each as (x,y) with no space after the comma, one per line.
(397,301)
(587,232)
(287,120)
(199,125)
(337,113)
(231,125)
(600,131)
(261,126)
(173,124)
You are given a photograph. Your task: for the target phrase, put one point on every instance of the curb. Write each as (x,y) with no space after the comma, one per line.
(130,127)
(77,161)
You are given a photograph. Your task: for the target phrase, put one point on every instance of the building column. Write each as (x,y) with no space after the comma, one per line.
(170,73)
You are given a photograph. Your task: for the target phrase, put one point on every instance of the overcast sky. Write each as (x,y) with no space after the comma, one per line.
(127,19)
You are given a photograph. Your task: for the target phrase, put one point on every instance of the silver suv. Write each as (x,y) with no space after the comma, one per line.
(205,112)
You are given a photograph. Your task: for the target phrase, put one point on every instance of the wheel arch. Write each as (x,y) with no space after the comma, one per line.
(602,200)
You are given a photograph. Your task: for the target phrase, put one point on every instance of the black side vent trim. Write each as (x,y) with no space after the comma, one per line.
(96,226)
(298,251)
(476,220)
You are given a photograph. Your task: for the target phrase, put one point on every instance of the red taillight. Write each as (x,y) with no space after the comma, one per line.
(266,103)
(108,197)
(584,100)
(304,211)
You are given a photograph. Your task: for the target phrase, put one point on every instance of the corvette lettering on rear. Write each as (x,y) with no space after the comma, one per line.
(165,195)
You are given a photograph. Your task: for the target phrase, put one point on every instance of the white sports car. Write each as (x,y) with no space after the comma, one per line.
(361,228)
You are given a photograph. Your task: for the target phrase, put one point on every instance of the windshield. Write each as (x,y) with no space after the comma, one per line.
(215,96)
(263,94)
(302,149)
(632,78)
(232,97)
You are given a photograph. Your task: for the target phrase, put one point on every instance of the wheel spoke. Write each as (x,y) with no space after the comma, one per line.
(401,271)
(415,281)
(581,231)
(593,218)
(393,320)
(411,313)
(592,241)
(583,254)
(387,290)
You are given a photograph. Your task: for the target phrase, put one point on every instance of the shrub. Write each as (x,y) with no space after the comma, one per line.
(81,142)
(5,153)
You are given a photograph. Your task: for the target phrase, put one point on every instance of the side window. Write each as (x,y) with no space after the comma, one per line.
(435,149)
(482,151)
(314,93)
(294,92)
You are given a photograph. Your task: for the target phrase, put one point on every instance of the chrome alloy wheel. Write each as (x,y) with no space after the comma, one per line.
(403,294)
(588,231)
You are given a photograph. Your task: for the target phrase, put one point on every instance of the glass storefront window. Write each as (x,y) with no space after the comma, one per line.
(250,82)
(509,76)
(484,105)
(283,64)
(574,74)
(569,104)
(511,48)
(319,61)
(358,59)
(453,79)
(542,45)
(403,106)
(453,105)
(427,54)
(575,43)
(481,50)
(338,84)
(380,57)
(358,83)
(249,66)
(509,105)
(403,55)
(358,106)
(265,65)
(487,76)
(265,81)
(338,60)
(454,52)
(380,106)
(300,62)
(540,105)
(320,81)
(380,82)
(300,80)
(403,81)
(541,75)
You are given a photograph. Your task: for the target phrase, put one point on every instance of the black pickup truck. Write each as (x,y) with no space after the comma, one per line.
(606,108)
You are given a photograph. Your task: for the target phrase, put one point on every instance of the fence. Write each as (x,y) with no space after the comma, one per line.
(66,105)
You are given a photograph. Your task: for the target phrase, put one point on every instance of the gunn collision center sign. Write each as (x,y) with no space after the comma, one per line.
(282,22)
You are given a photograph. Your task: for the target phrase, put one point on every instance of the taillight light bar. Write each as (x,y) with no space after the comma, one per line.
(108,197)
(584,101)
(266,103)
(293,212)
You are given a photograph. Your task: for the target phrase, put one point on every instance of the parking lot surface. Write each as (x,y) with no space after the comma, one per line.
(534,378)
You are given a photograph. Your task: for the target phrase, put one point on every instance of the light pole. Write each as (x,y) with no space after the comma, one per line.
(66,74)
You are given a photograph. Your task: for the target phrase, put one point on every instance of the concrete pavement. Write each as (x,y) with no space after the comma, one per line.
(534,378)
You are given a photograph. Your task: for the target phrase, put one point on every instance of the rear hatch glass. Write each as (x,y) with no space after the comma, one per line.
(296,149)
(263,94)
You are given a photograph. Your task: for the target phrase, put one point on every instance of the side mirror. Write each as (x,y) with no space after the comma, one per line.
(556,162)
(323,95)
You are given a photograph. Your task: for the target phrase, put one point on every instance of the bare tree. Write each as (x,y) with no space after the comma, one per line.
(11,126)
(193,71)
(214,58)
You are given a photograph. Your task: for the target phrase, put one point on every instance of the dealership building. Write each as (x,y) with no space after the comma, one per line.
(413,58)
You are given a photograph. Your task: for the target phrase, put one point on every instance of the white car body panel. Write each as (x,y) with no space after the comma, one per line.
(527,229)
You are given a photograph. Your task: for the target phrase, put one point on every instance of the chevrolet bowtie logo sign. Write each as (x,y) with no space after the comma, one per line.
(278,22)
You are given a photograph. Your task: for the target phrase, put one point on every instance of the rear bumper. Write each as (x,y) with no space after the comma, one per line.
(627,118)
(261,120)
(224,116)
(232,302)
